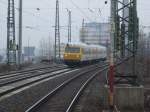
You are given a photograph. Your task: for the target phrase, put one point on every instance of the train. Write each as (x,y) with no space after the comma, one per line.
(80,53)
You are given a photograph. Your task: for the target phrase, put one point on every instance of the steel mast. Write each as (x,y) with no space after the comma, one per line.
(124,40)
(57,33)
(69,26)
(11,39)
(20,34)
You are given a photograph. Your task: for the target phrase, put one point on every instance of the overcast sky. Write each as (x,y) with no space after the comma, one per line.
(41,21)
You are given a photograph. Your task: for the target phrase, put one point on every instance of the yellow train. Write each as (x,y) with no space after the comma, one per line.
(82,53)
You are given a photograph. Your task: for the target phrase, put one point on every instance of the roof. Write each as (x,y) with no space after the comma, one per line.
(86,45)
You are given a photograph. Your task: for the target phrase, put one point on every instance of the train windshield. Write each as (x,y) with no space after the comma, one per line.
(72,50)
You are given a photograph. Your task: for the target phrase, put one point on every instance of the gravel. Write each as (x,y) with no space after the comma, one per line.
(91,99)
(20,101)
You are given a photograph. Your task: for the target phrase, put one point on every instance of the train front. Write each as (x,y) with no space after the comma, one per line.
(72,55)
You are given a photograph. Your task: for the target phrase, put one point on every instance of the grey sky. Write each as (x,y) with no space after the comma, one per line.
(41,22)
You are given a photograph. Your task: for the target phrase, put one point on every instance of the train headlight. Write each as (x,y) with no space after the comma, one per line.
(66,55)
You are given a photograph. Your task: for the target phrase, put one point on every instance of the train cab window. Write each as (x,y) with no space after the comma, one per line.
(72,50)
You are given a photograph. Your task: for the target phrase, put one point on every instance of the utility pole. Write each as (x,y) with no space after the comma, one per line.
(57,32)
(49,48)
(20,34)
(11,39)
(69,25)
(83,23)
(111,66)
(28,49)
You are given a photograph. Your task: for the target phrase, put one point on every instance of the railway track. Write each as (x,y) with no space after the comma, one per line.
(147,99)
(14,85)
(64,96)
(14,82)
(21,79)
(32,70)
(75,99)
(8,79)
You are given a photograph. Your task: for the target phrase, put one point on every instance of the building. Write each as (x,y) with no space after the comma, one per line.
(95,33)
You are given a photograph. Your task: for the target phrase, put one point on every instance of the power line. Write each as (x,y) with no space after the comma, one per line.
(82,12)
(44,8)
(3,2)
(27,12)
(43,19)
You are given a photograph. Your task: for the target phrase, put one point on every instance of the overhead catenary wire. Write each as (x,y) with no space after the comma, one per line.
(27,12)
(45,20)
(80,10)
(2,2)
